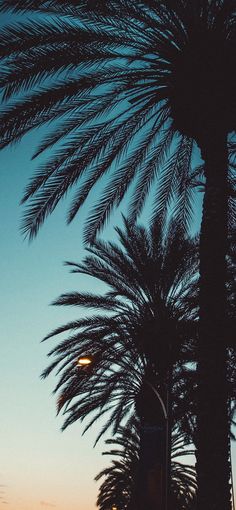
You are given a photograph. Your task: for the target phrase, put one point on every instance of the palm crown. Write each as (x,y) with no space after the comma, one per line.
(143,326)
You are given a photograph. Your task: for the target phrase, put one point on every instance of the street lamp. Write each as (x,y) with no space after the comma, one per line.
(84,361)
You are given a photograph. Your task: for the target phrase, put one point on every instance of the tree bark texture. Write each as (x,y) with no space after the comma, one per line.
(151,479)
(213,443)
(150,491)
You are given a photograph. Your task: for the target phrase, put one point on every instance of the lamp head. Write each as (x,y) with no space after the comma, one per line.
(84,361)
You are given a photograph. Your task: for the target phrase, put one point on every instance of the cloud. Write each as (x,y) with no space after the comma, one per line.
(47,504)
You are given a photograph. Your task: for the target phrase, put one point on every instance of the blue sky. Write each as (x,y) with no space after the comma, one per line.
(40,466)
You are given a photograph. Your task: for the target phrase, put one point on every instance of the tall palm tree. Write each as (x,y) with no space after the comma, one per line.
(139,346)
(141,328)
(132,83)
(118,486)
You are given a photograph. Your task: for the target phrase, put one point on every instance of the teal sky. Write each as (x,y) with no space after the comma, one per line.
(39,466)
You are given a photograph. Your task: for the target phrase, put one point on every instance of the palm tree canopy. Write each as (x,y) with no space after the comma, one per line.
(144,321)
(121,85)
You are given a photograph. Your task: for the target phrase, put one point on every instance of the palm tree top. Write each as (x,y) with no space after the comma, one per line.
(123,88)
(139,324)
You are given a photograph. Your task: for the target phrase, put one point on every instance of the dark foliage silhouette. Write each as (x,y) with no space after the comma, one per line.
(141,327)
(136,85)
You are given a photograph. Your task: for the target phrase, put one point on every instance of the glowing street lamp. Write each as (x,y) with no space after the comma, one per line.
(84,361)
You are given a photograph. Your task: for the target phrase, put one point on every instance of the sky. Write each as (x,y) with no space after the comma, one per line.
(40,467)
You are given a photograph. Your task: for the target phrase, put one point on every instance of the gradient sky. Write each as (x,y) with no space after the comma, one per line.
(40,467)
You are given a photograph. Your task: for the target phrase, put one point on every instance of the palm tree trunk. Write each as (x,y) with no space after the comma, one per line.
(213,466)
(150,486)
(150,491)
(169,424)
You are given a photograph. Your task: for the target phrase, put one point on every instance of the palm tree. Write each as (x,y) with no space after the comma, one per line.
(141,328)
(147,291)
(141,342)
(137,85)
(118,486)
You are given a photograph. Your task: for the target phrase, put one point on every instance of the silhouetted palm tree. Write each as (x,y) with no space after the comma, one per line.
(118,486)
(141,327)
(139,346)
(131,84)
